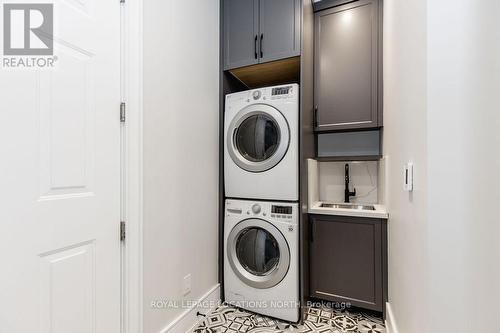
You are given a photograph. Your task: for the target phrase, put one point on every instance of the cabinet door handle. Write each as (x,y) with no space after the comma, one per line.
(312,229)
(261,48)
(315,117)
(255,47)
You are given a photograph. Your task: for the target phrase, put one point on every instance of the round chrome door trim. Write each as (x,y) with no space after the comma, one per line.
(273,277)
(284,139)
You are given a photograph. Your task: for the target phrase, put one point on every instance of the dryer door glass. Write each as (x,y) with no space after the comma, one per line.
(257,251)
(257,138)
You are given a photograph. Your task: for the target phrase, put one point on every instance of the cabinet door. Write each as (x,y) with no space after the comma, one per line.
(279,29)
(346,66)
(346,261)
(241,33)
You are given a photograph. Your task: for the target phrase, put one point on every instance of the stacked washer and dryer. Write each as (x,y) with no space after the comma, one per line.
(261,177)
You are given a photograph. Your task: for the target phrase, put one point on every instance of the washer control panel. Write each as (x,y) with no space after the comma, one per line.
(282,212)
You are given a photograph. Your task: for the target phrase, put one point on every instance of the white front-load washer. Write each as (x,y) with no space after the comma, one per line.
(261,257)
(261,154)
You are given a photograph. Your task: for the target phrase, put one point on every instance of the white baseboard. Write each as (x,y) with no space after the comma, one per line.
(188,320)
(390,321)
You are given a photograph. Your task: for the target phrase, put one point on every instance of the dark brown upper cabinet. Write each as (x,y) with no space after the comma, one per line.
(347,71)
(241,30)
(259,31)
(348,260)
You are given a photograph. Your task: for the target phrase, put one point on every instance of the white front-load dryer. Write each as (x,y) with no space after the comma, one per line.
(261,257)
(261,148)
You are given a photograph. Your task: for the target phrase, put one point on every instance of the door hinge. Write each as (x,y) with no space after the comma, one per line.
(123,232)
(122,112)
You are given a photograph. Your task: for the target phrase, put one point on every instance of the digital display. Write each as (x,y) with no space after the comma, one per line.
(281,91)
(281,210)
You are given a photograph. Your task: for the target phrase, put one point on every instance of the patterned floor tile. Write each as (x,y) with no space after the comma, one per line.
(227,319)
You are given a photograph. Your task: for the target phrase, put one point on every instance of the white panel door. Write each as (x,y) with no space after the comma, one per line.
(60,180)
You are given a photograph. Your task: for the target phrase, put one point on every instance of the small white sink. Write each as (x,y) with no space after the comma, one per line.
(347,206)
(349,209)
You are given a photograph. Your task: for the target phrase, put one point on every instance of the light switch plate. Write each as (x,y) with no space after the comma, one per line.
(408,177)
(186,287)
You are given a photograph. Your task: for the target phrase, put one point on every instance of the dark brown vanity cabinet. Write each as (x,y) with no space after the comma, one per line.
(259,31)
(348,260)
(347,70)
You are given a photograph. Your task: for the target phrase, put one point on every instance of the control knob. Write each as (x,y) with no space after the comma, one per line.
(256,208)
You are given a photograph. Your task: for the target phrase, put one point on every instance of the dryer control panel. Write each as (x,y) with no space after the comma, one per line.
(272,211)
(279,91)
(284,93)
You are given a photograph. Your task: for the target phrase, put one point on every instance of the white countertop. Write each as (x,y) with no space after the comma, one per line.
(380,211)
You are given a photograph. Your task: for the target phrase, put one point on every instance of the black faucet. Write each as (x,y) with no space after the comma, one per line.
(347,193)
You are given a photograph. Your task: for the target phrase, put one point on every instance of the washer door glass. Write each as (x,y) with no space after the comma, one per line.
(257,251)
(257,138)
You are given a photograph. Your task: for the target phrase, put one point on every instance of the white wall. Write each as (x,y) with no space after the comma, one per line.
(181,61)
(442,79)
(405,121)
(464,164)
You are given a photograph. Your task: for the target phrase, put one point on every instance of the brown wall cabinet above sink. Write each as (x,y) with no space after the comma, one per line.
(348,87)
